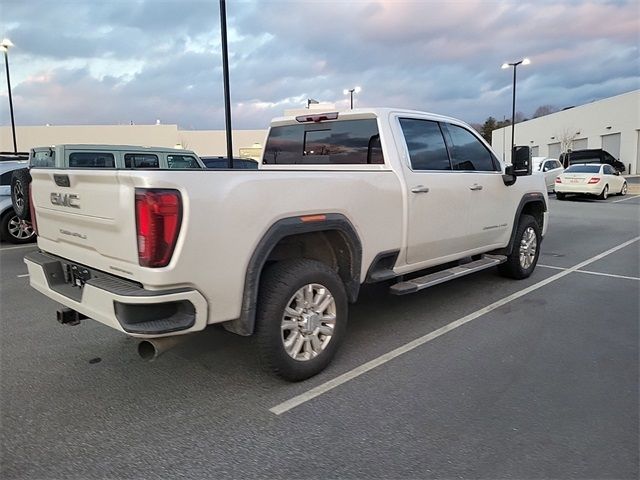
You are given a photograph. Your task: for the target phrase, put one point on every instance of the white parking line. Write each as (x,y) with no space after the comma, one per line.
(376,362)
(592,273)
(625,199)
(17,247)
(22,276)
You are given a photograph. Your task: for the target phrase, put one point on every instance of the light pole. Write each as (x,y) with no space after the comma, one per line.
(350,91)
(225,79)
(524,61)
(4,46)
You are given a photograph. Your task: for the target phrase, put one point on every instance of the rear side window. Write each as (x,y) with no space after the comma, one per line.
(427,150)
(348,142)
(91,160)
(467,152)
(141,160)
(182,161)
(46,159)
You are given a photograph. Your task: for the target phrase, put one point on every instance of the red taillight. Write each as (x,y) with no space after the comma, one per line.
(32,210)
(594,179)
(158,219)
(558,180)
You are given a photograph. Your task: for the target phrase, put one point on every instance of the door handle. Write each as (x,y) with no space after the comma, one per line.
(420,189)
(475,186)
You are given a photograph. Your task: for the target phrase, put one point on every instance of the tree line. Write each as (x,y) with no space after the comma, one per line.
(491,123)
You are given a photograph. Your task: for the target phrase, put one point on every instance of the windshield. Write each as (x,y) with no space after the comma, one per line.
(583,169)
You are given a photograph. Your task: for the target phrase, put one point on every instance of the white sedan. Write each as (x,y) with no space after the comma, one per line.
(590,179)
(549,167)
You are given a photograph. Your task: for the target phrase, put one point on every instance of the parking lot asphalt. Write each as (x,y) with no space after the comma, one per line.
(539,380)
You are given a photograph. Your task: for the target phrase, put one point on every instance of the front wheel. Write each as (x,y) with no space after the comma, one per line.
(302,317)
(623,190)
(524,257)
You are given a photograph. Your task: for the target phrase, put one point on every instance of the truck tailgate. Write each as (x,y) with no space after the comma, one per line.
(87,216)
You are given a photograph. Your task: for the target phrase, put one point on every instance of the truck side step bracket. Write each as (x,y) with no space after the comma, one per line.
(416,284)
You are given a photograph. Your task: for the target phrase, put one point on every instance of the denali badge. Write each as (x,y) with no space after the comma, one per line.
(73,234)
(65,199)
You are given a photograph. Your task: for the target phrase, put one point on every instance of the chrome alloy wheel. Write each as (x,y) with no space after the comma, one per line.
(528,248)
(20,229)
(308,322)
(18,194)
(624,189)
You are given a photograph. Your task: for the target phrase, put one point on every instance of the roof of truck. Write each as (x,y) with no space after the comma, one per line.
(357,113)
(129,148)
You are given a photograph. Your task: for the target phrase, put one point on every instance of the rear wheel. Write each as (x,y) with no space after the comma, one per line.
(20,180)
(302,317)
(524,257)
(15,230)
(623,190)
(605,193)
(560,195)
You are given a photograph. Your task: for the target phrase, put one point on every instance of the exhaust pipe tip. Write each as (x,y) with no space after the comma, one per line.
(151,348)
(148,351)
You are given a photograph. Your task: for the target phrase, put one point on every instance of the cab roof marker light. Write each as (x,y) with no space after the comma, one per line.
(317,118)
(313,218)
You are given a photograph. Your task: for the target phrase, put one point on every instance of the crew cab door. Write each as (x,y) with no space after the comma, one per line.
(489,222)
(438,198)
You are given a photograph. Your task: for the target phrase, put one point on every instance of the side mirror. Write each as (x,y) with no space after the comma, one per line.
(509,177)
(521,160)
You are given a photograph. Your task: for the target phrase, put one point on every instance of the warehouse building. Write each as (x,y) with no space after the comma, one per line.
(246,143)
(612,124)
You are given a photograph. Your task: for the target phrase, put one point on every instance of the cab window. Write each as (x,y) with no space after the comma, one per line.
(91,160)
(182,161)
(43,159)
(467,152)
(427,150)
(141,160)
(346,142)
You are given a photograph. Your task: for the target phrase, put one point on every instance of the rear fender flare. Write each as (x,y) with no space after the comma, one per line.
(278,231)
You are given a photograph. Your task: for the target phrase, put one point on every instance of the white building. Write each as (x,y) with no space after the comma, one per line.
(203,142)
(612,124)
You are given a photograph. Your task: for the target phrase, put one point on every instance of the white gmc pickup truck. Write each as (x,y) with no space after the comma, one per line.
(341,199)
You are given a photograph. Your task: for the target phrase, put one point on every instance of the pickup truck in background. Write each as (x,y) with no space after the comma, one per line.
(340,199)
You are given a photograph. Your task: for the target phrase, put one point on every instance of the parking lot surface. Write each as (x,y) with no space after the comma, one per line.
(504,379)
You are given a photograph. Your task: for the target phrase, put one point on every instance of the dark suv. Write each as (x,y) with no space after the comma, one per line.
(593,155)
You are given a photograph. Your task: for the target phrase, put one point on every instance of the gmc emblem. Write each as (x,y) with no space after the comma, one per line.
(65,199)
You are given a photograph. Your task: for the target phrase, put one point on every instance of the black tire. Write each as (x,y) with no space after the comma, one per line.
(278,287)
(15,230)
(560,196)
(20,181)
(623,190)
(513,267)
(605,193)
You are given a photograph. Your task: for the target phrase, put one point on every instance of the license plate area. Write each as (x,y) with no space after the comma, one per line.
(76,275)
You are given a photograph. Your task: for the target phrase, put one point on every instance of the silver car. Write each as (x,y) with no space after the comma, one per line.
(12,228)
(549,167)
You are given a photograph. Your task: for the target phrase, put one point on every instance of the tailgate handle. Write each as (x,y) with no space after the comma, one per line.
(61,180)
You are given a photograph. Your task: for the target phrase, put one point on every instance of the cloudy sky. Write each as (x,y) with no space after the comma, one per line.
(116,61)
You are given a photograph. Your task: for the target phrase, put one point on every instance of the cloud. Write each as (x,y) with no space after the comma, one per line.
(81,61)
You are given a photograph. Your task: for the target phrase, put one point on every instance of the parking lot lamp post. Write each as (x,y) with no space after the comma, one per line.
(524,61)
(225,79)
(4,46)
(350,92)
